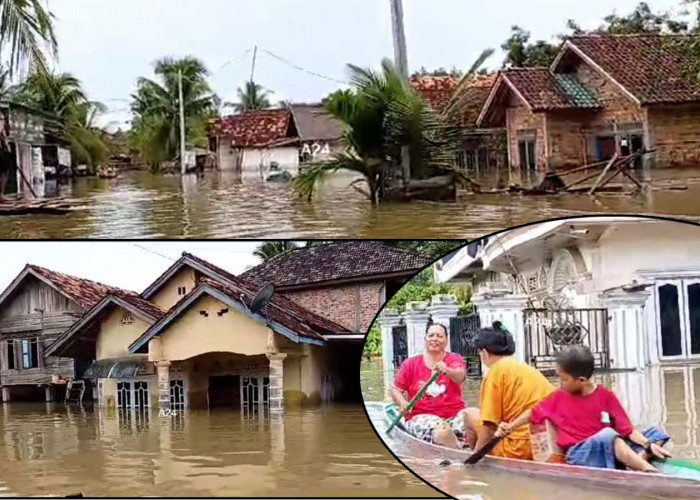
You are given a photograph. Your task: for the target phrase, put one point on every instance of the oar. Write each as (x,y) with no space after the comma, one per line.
(413,402)
(488,447)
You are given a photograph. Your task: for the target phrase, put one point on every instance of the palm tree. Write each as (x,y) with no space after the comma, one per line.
(25,26)
(61,95)
(382,114)
(253,97)
(155,107)
(270,249)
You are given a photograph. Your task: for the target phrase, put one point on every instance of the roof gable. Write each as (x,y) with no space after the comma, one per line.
(651,68)
(345,260)
(314,123)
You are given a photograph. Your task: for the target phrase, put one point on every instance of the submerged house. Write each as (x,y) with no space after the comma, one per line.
(347,281)
(604,94)
(37,307)
(629,288)
(483,148)
(320,134)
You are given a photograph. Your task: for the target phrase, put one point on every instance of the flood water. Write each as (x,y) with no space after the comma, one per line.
(144,205)
(51,449)
(664,397)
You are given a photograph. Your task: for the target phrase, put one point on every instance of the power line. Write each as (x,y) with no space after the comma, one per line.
(299,68)
(154,252)
(233,61)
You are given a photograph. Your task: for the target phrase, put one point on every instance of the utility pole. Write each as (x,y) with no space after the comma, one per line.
(401,63)
(252,69)
(183,167)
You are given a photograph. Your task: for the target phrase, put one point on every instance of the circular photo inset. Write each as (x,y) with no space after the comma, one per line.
(555,360)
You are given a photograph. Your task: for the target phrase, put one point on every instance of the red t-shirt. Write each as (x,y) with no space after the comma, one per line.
(577,418)
(413,375)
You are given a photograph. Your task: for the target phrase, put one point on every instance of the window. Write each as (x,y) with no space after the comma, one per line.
(177,394)
(123,395)
(678,318)
(181,290)
(30,353)
(127,318)
(11,356)
(133,395)
(528,160)
(255,391)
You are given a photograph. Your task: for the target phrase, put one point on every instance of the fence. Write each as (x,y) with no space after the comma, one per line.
(547,331)
(400,340)
(463,331)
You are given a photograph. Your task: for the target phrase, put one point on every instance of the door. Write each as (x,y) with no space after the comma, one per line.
(526,149)
(678,318)
(225,391)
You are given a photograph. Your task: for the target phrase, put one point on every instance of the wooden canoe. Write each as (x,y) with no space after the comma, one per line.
(680,479)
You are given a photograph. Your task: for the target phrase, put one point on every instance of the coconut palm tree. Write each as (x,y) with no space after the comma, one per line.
(270,249)
(26,28)
(252,97)
(382,114)
(156,114)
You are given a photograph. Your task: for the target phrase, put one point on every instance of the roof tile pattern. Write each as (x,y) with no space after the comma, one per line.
(654,68)
(540,88)
(85,293)
(435,90)
(143,305)
(335,261)
(254,128)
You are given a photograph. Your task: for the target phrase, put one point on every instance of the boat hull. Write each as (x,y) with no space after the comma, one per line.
(658,485)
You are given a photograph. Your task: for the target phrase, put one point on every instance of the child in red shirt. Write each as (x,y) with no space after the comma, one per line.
(592,427)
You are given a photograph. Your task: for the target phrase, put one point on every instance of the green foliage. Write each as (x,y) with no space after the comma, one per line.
(25,27)
(270,249)
(373,342)
(155,132)
(423,287)
(454,72)
(251,97)
(434,248)
(520,52)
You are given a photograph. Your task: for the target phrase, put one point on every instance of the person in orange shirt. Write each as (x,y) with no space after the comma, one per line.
(509,389)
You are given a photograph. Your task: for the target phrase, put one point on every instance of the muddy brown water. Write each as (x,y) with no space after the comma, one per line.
(674,407)
(51,449)
(143,205)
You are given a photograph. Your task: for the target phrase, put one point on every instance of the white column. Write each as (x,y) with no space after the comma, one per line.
(163,368)
(388,319)
(416,318)
(508,309)
(442,309)
(5,394)
(276,382)
(628,344)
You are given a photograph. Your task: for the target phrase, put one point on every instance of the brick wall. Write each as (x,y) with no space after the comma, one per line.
(518,120)
(618,107)
(567,139)
(352,306)
(675,132)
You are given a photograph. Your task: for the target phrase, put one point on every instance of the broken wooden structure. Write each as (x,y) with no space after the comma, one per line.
(39,206)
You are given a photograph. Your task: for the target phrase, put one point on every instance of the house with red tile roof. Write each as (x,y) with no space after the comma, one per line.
(604,94)
(197,337)
(461,102)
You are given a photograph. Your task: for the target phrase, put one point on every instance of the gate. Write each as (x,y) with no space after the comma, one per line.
(548,331)
(463,331)
(400,338)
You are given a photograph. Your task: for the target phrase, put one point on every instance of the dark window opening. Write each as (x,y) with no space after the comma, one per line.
(181,290)
(694,317)
(11,356)
(527,149)
(670,318)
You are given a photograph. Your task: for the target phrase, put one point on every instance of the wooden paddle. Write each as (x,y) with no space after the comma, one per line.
(488,447)
(413,402)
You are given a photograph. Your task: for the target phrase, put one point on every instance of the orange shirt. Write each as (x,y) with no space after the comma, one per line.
(509,389)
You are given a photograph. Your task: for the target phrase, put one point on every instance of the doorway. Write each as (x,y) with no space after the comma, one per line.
(225,391)
(678,318)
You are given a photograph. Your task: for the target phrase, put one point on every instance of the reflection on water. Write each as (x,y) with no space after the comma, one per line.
(142,205)
(668,397)
(56,450)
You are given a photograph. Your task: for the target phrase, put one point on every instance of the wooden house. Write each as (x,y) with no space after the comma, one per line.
(604,94)
(35,309)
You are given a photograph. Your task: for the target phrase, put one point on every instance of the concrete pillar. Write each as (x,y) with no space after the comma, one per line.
(416,318)
(48,395)
(278,451)
(508,309)
(276,382)
(388,319)
(5,394)
(442,309)
(163,368)
(628,342)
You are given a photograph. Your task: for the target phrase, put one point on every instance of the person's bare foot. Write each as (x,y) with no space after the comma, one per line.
(444,436)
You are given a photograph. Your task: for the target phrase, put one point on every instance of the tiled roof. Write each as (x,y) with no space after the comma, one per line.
(84,292)
(254,128)
(544,91)
(335,261)
(653,68)
(281,301)
(438,92)
(314,123)
(143,305)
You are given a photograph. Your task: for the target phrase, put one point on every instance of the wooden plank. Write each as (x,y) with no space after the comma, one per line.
(603,173)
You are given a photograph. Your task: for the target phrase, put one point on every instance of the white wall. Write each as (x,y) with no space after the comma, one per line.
(287,158)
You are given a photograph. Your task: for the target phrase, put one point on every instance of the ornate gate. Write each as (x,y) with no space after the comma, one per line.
(400,338)
(463,331)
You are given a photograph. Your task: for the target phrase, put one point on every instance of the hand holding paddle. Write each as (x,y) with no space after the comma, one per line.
(504,428)
(413,402)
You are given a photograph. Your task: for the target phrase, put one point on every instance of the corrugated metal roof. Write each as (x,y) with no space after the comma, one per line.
(132,366)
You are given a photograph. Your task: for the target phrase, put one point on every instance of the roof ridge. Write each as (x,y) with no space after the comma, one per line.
(633,35)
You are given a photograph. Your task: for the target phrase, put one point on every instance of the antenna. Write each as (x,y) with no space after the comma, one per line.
(263,298)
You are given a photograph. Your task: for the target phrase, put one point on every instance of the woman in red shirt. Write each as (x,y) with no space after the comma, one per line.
(438,417)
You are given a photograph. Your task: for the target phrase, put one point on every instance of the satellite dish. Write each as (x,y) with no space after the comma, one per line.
(262,298)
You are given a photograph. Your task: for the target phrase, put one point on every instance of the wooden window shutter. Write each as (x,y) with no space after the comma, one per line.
(18,354)
(40,352)
(4,365)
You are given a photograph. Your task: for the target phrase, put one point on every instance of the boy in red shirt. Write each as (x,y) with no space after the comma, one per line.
(592,427)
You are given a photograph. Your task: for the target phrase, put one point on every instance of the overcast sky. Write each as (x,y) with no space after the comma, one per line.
(108,44)
(129,265)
